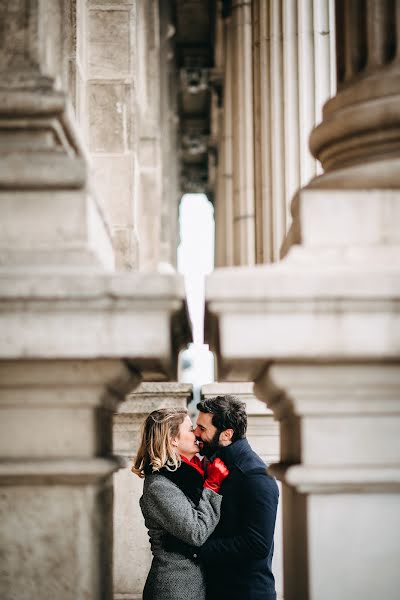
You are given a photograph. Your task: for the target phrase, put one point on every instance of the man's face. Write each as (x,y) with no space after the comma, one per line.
(207,435)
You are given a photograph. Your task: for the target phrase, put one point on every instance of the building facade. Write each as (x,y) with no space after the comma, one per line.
(285,113)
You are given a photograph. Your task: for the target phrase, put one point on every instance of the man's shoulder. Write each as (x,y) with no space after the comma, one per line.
(246,460)
(251,467)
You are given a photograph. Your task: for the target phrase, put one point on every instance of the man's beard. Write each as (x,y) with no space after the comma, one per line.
(210,448)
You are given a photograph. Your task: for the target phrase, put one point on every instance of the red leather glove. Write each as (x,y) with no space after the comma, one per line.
(217,471)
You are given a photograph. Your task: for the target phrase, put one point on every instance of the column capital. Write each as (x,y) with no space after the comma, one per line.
(358,141)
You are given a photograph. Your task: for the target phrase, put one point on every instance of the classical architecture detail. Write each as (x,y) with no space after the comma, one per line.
(319,332)
(286,52)
(109,112)
(75,336)
(358,141)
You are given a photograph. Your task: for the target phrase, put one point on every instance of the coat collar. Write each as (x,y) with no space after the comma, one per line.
(188,479)
(233,453)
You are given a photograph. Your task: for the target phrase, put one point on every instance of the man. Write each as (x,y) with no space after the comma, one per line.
(237,557)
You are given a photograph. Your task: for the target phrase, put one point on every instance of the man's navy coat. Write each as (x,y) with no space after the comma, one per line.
(237,557)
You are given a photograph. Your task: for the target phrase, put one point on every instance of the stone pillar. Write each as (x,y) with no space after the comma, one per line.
(55,477)
(293,63)
(61,337)
(169,121)
(148,175)
(340,430)
(132,555)
(263,436)
(112,128)
(357,142)
(75,337)
(38,129)
(76,60)
(242,134)
(323,331)
(224,217)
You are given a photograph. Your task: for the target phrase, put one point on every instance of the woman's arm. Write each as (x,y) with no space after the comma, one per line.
(166,504)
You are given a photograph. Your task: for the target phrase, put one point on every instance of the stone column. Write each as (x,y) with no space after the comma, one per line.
(293,63)
(340,430)
(76,60)
(323,331)
(242,134)
(169,122)
(224,234)
(112,128)
(148,175)
(37,128)
(75,337)
(132,555)
(55,477)
(357,142)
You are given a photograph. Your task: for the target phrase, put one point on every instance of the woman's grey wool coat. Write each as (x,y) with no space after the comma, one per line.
(166,509)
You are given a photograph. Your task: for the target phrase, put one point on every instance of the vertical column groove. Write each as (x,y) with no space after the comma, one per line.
(243,148)
(277,127)
(306,85)
(291,105)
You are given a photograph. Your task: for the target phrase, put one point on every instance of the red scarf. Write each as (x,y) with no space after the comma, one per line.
(196,463)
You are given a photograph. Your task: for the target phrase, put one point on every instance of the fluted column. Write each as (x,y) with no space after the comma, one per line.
(358,142)
(169,124)
(224,194)
(243,134)
(293,66)
(322,330)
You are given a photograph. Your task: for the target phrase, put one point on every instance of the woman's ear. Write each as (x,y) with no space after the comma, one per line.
(174,441)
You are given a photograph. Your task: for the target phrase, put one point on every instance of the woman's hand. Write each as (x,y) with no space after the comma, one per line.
(217,472)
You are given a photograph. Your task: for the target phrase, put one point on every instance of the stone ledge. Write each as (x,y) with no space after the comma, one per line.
(84,316)
(67,472)
(286,312)
(333,480)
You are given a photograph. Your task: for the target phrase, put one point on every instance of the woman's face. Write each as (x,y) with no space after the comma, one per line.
(186,443)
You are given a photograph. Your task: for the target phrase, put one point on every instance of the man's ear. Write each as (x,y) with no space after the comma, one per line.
(226,435)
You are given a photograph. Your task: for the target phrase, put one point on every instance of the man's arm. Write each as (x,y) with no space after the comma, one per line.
(256,538)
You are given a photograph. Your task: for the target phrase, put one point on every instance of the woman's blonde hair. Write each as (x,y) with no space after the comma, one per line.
(156,450)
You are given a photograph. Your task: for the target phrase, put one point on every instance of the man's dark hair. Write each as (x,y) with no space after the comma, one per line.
(228,412)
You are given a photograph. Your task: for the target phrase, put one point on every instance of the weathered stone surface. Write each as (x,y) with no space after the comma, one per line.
(93,315)
(110,35)
(108,117)
(126,247)
(113,179)
(51,538)
(73,232)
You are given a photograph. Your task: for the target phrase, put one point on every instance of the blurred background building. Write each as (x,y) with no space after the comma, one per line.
(114,115)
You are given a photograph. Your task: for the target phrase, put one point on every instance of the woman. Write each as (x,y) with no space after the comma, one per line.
(176,500)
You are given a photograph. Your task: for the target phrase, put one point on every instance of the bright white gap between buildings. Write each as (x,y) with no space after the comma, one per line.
(195,261)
